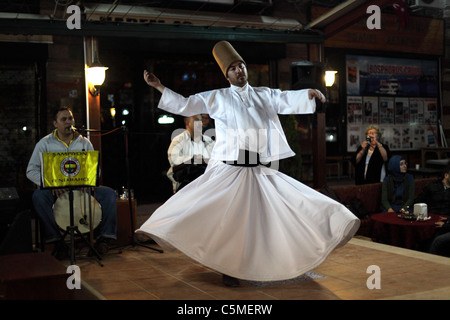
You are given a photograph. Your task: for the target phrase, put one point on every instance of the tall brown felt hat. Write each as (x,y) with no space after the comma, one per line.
(225,55)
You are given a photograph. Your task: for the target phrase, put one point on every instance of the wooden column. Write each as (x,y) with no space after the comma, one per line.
(94,121)
(93,112)
(93,102)
(318,130)
(319,151)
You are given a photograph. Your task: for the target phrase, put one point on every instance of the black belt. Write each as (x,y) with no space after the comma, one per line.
(245,159)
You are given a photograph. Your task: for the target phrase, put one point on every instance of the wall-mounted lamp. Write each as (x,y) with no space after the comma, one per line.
(113,115)
(113,112)
(330,76)
(95,76)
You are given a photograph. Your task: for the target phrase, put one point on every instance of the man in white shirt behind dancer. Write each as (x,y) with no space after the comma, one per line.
(189,153)
(240,218)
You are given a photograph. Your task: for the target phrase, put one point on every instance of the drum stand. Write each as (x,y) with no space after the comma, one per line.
(72,229)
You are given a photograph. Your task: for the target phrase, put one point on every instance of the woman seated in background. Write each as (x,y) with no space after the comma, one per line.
(397,190)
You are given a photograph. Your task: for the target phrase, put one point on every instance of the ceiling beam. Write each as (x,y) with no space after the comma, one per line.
(334,14)
(45,26)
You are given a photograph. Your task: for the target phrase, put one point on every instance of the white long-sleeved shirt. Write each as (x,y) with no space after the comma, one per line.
(50,143)
(245,118)
(183,148)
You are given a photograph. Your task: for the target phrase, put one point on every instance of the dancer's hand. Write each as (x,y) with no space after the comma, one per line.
(153,81)
(313,93)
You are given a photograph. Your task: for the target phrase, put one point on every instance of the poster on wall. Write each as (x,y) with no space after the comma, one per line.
(416,113)
(430,108)
(370,110)
(401,110)
(374,76)
(355,135)
(398,95)
(386,110)
(354,110)
(397,137)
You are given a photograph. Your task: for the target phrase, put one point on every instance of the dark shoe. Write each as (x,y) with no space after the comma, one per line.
(102,246)
(230,281)
(61,250)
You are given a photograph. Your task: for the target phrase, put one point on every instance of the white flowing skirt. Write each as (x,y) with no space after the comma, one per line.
(251,223)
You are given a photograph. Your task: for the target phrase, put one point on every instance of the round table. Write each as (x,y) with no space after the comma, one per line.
(389,228)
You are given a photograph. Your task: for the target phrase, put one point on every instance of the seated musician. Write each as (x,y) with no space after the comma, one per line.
(189,153)
(64,139)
